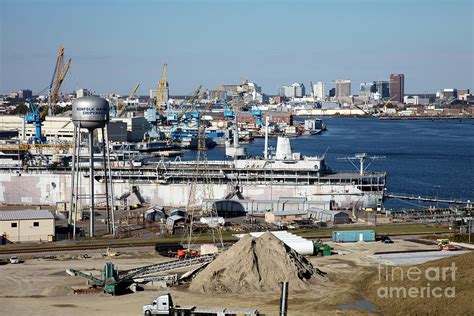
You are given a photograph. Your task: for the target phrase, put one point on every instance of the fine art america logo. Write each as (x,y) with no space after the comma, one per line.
(416,282)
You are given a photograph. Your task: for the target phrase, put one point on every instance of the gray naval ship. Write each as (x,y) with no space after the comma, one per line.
(283,181)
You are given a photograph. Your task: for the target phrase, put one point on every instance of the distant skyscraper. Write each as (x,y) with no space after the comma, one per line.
(366,88)
(343,88)
(397,87)
(25,94)
(82,93)
(299,90)
(319,90)
(383,88)
(296,90)
(332,92)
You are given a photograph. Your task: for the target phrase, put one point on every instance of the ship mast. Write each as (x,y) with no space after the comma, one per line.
(362,157)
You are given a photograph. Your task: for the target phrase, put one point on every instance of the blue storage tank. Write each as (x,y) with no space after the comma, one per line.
(353,235)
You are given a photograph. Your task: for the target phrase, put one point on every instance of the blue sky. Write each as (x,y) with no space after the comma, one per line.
(116,44)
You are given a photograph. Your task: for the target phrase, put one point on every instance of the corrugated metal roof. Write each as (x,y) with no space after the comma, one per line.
(289,212)
(25,215)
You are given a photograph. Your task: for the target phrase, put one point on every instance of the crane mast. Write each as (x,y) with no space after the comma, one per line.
(60,71)
(201,182)
(124,106)
(162,84)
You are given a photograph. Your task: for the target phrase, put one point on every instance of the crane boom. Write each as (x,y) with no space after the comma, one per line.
(190,102)
(59,74)
(134,91)
(218,92)
(124,106)
(387,102)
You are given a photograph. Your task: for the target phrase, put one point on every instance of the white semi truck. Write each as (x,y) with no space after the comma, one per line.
(163,305)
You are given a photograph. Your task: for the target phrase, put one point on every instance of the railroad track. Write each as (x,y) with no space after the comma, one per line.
(94,246)
(149,243)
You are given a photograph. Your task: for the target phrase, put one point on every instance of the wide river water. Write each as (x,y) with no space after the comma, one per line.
(433,158)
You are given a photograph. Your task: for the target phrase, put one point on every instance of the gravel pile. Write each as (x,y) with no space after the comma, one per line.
(257,265)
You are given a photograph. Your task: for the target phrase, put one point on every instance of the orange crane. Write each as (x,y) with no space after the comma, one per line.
(162,84)
(124,106)
(59,74)
(134,91)
(387,102)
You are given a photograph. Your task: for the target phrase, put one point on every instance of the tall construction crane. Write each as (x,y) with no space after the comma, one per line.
(134,91)
(187,104)
(386,103)
(201,180)
(124,106)
(37,114)
(194,103)
(60,71)
(162,85)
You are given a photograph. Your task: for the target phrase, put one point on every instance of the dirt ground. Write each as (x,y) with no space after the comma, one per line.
(42,287)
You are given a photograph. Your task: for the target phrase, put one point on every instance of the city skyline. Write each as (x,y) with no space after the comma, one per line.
(115,46)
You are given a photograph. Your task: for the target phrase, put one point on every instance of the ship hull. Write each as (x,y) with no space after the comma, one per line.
(47,188)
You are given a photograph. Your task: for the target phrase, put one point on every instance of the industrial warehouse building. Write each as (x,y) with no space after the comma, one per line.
(284,216)
(27,225)
(61,128)
(325,216)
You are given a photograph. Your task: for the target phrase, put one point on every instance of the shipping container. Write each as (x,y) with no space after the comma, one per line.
(353,235)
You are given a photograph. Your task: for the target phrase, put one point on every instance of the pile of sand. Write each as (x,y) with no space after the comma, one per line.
(256,265)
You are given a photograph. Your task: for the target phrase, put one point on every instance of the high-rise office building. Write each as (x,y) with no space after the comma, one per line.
(25,94)
(296,90)
(299,90)
(319,90)
(366,88)
(383,88)
(343,88)
(332,92)
(397,87)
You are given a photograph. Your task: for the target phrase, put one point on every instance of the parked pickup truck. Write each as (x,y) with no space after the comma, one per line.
(163,305)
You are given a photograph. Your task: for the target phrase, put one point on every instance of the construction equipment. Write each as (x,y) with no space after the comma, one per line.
(163,305)
(134,91)
(387,102)
(36,113)
(257,113)
(174,115)
(36,116)
(123,107)
(59,74)
(112,281)
(445,244)
(195,113)
(322,249)
(162,85)
(201,171)
(185,106)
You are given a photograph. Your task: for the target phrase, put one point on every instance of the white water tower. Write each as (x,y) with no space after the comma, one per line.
(89,113)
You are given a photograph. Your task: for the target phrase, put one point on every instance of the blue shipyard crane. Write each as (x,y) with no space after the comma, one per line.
(183,118)
(175,116)
(257,113)
(36,116)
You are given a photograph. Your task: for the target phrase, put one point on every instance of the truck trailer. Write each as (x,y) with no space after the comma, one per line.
(163,305)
